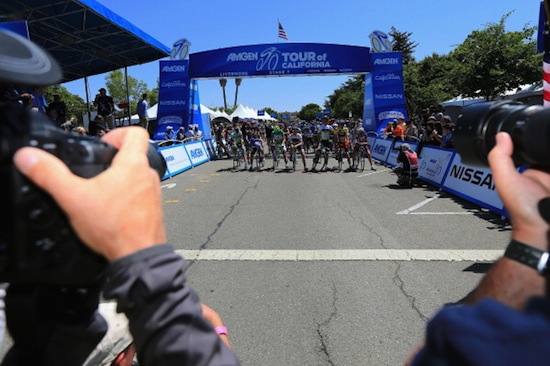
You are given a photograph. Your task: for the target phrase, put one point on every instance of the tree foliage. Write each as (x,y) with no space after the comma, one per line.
(117,89)
(76,106)
(347,98)
(309,112)
(492,61)
(401,42)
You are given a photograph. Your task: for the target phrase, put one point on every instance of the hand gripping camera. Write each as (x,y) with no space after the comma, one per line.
(37,243)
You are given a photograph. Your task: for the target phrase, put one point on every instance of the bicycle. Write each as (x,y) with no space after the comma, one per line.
(339,156)
(238,157)
(257,158)
(321,151)
(276,150)
(293,159)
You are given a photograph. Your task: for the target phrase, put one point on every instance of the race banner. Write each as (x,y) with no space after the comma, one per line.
(173,106)
(280,59)
(384,91)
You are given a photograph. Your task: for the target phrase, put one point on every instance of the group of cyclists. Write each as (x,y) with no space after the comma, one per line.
(248,140)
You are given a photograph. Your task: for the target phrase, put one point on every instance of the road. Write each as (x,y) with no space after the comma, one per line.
(325,268)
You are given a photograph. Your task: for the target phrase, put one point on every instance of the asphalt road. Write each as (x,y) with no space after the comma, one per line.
(325,268)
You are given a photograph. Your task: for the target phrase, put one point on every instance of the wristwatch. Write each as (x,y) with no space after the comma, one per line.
(528,255)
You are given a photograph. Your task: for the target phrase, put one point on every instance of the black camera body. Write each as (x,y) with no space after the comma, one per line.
(529,126)
(37,242)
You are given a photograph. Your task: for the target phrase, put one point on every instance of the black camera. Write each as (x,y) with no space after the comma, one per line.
(37,243)
(528,125)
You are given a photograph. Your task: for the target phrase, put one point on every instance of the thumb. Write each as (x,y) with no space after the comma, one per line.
(45,170)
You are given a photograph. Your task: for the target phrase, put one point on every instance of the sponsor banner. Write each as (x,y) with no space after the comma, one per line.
(210,147)
(369,116)
(173,106)
(279,59)
(176,158)
(395,148)
(381,149)
(473,183)
(197,152)
(387,90)
(434,163)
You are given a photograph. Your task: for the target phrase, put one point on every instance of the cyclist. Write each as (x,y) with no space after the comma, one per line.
(361,141)
(325,133)
(256,145)
(279,142)
(236,141)
(296,141)
(342,140)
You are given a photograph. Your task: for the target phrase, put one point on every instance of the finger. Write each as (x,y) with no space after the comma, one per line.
(132,143)
(500,160)
(46,171)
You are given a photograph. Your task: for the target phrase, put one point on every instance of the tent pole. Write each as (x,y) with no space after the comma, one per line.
(127,95)
(87,87)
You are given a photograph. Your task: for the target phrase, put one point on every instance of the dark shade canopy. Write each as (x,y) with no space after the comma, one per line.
(85,37)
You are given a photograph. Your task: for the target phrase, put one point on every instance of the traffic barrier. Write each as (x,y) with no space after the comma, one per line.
(443,168)
(181,157)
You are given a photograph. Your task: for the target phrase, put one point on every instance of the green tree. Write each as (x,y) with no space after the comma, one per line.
(76,106)
(347,98)
(401,42)
(309,112)
(117,89)
(492,61)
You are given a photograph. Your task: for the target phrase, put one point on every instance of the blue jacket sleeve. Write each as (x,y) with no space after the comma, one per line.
(164,314)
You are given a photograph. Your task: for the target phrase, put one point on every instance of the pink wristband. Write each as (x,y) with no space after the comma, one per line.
(220,330)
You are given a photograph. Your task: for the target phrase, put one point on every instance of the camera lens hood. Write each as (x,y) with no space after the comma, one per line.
(22,62)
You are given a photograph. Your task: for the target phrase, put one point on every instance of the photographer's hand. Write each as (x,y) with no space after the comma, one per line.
(113,217)
(520,194)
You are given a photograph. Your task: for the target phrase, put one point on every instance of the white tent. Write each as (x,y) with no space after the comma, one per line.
(244,113)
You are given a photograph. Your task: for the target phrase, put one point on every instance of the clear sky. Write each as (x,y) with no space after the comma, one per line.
(436,25)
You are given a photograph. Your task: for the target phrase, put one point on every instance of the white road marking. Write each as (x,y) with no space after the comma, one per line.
(372,172)
(168,186)
(418,205)
(466,255)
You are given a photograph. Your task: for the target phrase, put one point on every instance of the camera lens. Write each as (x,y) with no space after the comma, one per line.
(528,125)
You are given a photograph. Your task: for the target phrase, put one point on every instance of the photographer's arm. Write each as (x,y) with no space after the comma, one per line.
(509,281)
(147,279)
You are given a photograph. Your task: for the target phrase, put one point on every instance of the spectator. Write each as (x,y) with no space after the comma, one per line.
(142,107)
(197,132)
(388,130)
(79,130)
(399,129)
(180,136)
(61,109)
(447,127)
(411,131)
(105,107)
(170,133)
(407,170)
(190,134)
(97,124)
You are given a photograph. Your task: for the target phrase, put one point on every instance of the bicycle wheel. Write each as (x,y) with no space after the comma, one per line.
(275,159)
(340,158)
(258,159)
(294,160)
(316,159)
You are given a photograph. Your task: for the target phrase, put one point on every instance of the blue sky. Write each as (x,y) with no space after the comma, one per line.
(437,26)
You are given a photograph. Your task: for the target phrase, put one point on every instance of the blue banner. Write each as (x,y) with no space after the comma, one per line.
(20,27)
(173,106)
(384,91)
(280,59)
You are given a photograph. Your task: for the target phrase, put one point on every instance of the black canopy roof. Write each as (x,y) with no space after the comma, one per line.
(85,37)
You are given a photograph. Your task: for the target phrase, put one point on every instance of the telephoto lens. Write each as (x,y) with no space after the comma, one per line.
(528,125)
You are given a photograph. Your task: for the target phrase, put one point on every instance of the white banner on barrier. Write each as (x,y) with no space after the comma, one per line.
(381,149)
(434,163)
(197,152)
(176,159)
(473,182)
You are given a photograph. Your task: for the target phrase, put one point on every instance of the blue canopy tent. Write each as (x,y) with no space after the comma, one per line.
(85,37)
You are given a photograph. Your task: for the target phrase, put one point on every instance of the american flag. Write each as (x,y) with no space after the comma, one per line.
(282,33)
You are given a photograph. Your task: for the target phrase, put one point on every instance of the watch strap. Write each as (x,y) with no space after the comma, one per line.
(528,255)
